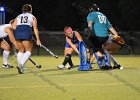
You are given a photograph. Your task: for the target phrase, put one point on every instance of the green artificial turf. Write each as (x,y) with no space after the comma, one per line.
(50,83)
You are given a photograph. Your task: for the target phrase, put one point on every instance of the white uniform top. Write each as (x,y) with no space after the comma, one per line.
(25,19)
(2,30)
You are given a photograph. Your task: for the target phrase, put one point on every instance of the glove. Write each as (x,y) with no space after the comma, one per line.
(119,40)
(89,33)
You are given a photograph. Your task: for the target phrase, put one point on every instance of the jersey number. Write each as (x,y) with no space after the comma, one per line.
(24,19)
(102,18)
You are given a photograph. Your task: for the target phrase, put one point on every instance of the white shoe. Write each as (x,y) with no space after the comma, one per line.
(20,69)
(61,66)
(7,66)
(67,66)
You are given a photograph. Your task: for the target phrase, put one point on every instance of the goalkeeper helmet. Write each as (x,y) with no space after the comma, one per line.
(94,7)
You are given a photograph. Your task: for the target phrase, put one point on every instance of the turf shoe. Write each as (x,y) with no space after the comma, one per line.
(117,67)
(61,66)
(20,69)
(70,67)
(7,66)
(106,67)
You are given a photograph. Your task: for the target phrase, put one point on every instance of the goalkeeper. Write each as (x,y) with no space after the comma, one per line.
(98,31)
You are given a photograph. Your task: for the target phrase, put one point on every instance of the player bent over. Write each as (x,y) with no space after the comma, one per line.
(72,40)
(23,34)
(6,38)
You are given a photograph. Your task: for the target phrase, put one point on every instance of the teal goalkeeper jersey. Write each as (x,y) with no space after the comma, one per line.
(101,23)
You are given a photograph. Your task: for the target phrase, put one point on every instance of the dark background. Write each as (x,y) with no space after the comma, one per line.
(54,15)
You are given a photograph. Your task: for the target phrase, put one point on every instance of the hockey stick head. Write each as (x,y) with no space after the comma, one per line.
(56,56)
(38,66)
(47,49)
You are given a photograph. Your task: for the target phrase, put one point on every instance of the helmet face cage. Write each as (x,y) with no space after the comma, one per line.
(94,7)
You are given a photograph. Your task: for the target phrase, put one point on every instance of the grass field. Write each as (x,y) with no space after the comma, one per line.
(50,83)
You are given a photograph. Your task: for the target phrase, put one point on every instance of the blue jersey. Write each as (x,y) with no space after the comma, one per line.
(100,23)
(74,40)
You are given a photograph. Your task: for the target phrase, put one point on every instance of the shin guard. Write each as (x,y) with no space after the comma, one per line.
(102,62)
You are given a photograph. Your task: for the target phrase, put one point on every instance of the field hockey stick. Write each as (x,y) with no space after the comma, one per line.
(79,7)
(47,50)
(38,66)
(15,53)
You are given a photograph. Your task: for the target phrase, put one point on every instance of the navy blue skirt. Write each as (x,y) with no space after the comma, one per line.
(23,32)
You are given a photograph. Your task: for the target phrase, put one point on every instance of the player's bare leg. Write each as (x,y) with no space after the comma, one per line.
(6,47)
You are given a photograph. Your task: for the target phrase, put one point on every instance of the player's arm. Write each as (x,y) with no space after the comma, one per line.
(72,45)
(78,36)
(14,24)
(36,32)
(113,31)
(90,24)
(9,31)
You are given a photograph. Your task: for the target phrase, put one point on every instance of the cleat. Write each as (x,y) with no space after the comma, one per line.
(110,67)
(8,66)
(61,66)
(70,67)
(20,69)
(117,67)
(106,67)
(67,66)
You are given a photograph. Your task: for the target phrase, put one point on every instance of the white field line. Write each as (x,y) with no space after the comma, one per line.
(66,85)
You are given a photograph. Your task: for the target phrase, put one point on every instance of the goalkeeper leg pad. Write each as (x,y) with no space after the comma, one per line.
(84,64)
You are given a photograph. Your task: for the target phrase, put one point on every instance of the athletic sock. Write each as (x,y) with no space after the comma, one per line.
(70,62)
(19,56)
(65,60)
(25,57)
(113,60)
(5,57)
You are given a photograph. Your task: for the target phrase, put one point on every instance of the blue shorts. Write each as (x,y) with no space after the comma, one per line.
(68,46)
(23,32)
